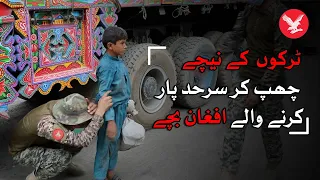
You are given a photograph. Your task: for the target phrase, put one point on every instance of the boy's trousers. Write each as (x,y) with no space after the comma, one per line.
(107,150)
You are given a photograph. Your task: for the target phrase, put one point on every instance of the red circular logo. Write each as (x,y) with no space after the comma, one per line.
(293,23)
(57,134)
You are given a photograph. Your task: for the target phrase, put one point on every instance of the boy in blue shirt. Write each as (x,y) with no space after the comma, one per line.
(112,74)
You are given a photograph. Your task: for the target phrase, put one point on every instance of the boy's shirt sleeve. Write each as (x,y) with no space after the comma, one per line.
(105,78)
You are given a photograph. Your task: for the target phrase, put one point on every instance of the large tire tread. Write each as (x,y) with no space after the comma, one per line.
(182,53)
(172,43)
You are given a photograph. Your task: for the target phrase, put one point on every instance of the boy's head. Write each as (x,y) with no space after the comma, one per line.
(114,40)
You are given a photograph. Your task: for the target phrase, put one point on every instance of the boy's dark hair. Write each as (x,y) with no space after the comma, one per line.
(113,34)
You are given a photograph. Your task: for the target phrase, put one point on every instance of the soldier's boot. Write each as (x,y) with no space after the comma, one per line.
(225,175)
(31,176)
(74,170)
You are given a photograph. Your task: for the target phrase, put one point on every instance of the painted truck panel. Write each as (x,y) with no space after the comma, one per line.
(45,42)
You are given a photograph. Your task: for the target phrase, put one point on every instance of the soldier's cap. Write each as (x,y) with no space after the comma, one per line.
(71,110)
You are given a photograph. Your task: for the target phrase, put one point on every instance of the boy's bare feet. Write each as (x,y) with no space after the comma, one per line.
(112,175)
(111,129)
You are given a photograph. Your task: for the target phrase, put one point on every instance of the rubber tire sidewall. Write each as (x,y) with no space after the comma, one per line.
(213,36)
(138,68)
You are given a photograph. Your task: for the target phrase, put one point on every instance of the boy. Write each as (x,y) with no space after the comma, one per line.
(112,75)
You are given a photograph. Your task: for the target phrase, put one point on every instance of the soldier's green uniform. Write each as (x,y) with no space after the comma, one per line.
(260,28)
(41,140)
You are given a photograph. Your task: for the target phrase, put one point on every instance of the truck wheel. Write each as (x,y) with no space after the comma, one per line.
(213,36)
(172,43)
(188,51)
(146,82)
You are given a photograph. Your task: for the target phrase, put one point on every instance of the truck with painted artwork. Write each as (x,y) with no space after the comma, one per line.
(57,43)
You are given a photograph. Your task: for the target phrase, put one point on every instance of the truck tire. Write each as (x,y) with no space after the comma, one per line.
(147,81)
(213,36)
(172,43)
(188,51)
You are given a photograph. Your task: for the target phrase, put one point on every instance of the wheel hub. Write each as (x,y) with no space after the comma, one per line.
(149,87)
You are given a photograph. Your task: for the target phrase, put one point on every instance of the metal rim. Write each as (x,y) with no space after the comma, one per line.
(152,81)
(204,80)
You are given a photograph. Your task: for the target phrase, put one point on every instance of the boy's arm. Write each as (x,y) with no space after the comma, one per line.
(105,79)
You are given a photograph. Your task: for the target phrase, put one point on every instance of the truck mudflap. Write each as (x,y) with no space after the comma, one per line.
(43,43)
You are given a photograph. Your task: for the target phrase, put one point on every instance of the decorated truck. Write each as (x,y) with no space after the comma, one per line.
(51,47)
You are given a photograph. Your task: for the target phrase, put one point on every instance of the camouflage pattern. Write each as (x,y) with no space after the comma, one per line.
(258,28)
(71,110)
(47,144)
(256,31)
(270,109)
(48,125)
(48,163)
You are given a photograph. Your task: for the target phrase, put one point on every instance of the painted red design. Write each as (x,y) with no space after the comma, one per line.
(109,20)
(58,69)
(2,87)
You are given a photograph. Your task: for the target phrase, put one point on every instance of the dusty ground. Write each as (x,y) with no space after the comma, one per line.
(193,153)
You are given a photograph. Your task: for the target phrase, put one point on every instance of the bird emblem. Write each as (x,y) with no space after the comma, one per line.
(293,26)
